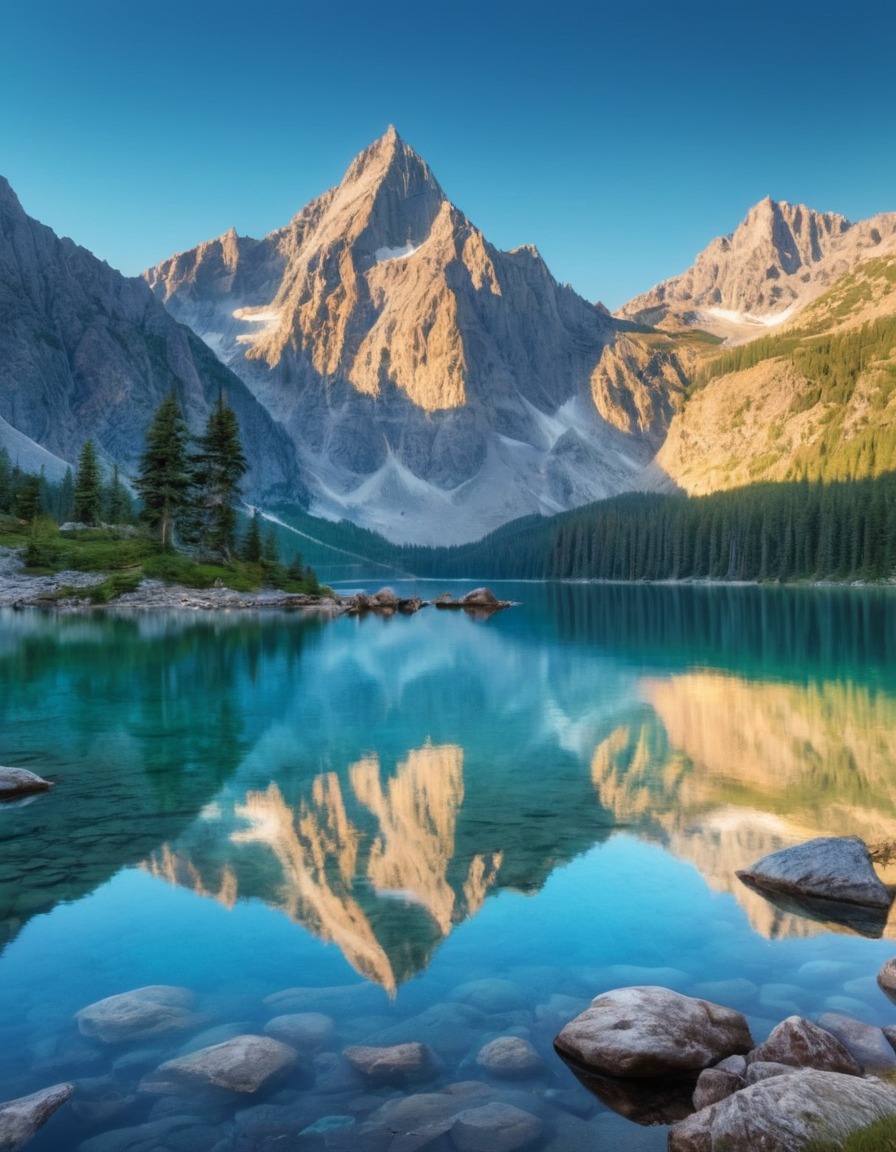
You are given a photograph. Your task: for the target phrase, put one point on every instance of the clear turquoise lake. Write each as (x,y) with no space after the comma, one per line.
(431,828)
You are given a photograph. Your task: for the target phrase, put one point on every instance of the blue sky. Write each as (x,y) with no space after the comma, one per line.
(618,138)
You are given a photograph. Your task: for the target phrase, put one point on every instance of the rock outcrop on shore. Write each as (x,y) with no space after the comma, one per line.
(808,1081)
(69,592)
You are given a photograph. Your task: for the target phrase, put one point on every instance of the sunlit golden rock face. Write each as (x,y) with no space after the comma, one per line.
(177,868)
(416,811)
(316,848)
(347,854)
(726,770)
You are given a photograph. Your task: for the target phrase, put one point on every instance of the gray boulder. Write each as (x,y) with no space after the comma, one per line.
(784,1113)
(303,1030)
(494,1127)
(510,1058)
(646,1031)
(866,1042)
(802,1044)
(243,1064)
(20,1119)
(16,782)
(395,1064)
(713,1085)
(137,1014)
(828,868)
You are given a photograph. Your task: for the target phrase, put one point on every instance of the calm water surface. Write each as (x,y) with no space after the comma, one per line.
(450,829)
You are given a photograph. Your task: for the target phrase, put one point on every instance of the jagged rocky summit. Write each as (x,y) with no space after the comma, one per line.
(434,386)
(779,258)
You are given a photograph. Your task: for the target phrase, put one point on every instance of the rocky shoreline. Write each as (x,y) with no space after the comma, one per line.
(68,592)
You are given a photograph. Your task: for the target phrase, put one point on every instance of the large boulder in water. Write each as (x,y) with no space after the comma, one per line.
(243,1064)
(137,1014)
(16,782)
(786,1113)
(20,1119)
(835,868)
(647,1031)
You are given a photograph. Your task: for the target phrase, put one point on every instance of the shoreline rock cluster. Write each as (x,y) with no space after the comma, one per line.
(21,591)
(658,1056)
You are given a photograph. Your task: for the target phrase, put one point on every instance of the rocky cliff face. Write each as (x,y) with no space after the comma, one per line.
(86,352)
(775,262)
(434,386)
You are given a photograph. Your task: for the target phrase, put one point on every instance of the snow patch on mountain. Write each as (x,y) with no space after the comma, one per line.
(383,254)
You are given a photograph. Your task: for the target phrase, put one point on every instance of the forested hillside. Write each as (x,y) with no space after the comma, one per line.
(844,530)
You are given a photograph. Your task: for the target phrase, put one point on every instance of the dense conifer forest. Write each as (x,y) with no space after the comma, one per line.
(805,530)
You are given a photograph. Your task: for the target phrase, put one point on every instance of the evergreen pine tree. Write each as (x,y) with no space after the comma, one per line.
(218,466)
(28,505)
(251,550)
(269,551)
(118,504)
(164,479)
(88,486)
(5,481)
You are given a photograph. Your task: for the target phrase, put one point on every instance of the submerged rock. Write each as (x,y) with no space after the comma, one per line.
(20,1119)
(137,1014)
(16,782)
(494,1127)
(510,1058)
(395,1064)
(243,1064)
(652,1032)
(836,868)
(306,1031)
(785,1112)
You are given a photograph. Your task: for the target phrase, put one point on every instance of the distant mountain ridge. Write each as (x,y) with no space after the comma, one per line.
(434,386)
(88,353)
(778,259)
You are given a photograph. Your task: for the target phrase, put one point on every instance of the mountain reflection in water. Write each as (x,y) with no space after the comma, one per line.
(371,867)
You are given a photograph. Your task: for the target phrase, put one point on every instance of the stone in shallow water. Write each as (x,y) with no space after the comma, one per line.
(494,1127)
(785,1112)
(15,782)
(800,1043)
(327,1124)
(827,868)
(652,1032)
(886,978)
(303,1030)
(393,1065)
(866,1043)
(510,1058)
(713,1085)
(492,995)
(20,1119)
(243,1064)
(137,1014)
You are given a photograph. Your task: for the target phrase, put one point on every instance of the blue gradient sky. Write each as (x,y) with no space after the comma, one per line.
(617,138)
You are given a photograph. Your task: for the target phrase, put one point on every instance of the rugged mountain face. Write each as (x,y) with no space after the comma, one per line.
(815,398)
(86,352)
(775,262)
(434,386)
